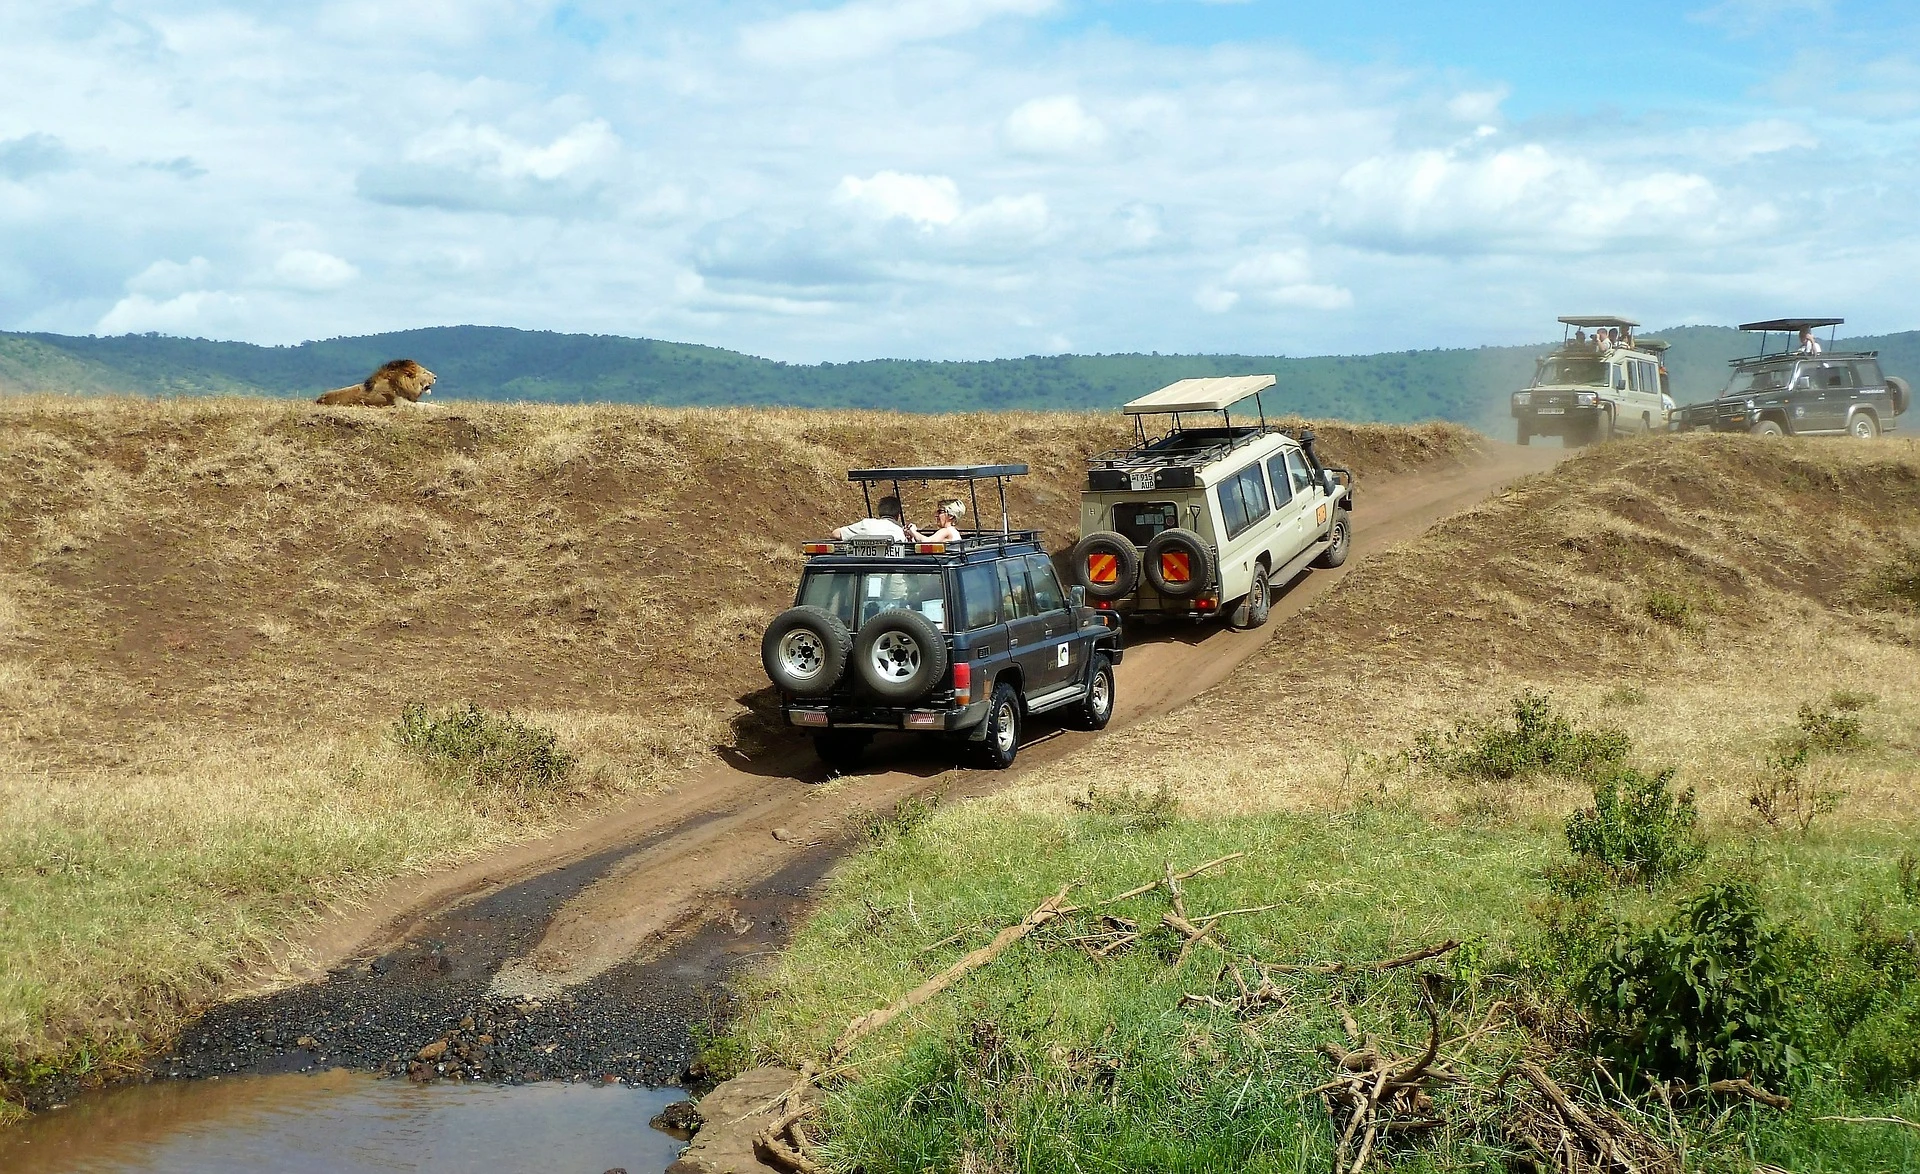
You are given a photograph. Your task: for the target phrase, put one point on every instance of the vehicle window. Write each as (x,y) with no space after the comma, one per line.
(1233,511)
(1139,521)
(1579,369)
(1867,374)
(1282,486)
(1633,375)
(1834,376)
(1016,598)
(1764,379)
(980,595)
(1297,471)
(1619,376)
(858,596)
(1047,595)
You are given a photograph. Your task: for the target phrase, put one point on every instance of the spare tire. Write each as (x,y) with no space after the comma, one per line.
(1900,393)
(1177,551)
(900,655)
(1106,564)
(805,651)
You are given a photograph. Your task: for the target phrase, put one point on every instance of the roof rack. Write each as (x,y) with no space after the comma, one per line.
(968,542)
(971,474)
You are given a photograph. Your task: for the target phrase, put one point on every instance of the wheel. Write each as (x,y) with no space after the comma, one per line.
(899,655)
(1525,437)
(1768,427)
(841,749)
(1900,394)
(1176,553)
(1336,554)
(1097,710)
(804,651)
(1252,609)
(1864,426)
(1602,426)
(997,750)
(1107,565)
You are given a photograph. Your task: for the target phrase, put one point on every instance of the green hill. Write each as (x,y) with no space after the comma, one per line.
(498,363)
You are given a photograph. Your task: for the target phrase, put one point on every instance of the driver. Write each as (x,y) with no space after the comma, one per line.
(887,525)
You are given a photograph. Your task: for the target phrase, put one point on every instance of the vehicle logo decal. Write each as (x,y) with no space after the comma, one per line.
(1061,655)
(1103,568)
(1320,515)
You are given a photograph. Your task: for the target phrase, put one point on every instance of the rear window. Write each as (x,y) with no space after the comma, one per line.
(1139,521)
(980,595)
(858,596)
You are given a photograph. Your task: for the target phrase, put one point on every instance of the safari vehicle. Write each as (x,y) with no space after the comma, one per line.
(1587,389)
(962,639)
(1205,516)
(1790,393)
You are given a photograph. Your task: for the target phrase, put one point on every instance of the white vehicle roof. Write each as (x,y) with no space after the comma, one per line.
(1199,395)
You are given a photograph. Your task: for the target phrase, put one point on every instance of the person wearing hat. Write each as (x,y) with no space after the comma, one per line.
(887,525)
(948,514)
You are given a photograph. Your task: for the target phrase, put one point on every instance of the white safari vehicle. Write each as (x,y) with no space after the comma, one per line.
(1591,388)
(1202,516)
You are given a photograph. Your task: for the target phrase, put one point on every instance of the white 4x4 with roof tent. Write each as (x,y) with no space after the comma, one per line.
(1207,517)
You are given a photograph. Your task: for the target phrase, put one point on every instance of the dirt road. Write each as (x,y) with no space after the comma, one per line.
(590,952)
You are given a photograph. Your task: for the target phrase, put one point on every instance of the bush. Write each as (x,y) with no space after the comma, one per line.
(1539,741)
(1788,795)
(910,814)
(1702,998)
(1829,729)
(1898,581)
(1669,608)
(485,749)
(1136,811)
(1637,828)
(1866,993)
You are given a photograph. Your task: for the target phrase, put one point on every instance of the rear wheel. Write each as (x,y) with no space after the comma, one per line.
(1864,426)
(1342,535)
(841,749)
(1002,743)
(1252,609)
(1768,427)
(1097,710)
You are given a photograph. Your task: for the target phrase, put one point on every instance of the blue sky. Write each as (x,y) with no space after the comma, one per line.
(956,178)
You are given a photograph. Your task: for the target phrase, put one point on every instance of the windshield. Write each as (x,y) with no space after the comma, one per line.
(1758,379)
(857,596)
(1580,369)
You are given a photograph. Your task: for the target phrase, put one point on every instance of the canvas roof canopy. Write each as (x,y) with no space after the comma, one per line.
(1593,320)
(1793,325)
(937,473)
(1199,395)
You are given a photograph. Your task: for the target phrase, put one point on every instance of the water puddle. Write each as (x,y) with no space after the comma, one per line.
(345,1123)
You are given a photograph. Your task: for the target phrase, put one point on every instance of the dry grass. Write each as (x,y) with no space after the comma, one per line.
(211,611)
(1772,550)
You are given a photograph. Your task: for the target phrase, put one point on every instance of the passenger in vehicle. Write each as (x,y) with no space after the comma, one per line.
(1580,339)
(947,517)
(1809,345)
(887,525)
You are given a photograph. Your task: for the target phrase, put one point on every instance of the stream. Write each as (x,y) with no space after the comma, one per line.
(342,1122)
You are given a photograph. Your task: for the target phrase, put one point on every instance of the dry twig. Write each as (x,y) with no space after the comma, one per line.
(1872,1121)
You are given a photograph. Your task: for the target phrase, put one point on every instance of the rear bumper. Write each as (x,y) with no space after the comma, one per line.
(929,719)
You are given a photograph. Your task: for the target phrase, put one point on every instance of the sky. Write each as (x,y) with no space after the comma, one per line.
(957,178)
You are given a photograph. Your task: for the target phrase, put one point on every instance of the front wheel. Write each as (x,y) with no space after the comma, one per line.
(1525,437)
(1097,710)
(1768,428)
(1002,743)
(1342,535)
(1864,427)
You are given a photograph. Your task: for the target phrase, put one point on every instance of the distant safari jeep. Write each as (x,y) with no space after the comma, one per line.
(1590,388)
(1795,392)
(1207,519)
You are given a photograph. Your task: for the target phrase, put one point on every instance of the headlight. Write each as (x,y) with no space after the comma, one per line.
(1585,399)
(1523,398)
(1749,405)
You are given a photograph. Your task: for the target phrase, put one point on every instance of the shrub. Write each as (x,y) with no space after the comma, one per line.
(1136,811)
(1539,741)
(496,750)
(1898,581)
(1786,794)
(1669,608)
(1701,998)
(1826,728)
(910,813)
(1867,993)
(1638,828)
(1906,875)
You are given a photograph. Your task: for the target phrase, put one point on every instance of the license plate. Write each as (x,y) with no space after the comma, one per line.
(1553,411)
(1141,480)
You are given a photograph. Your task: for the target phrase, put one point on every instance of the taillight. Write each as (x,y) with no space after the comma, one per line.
(962,683)
(1207,604)
(930,548)
(1103,568)
(1175,566)
(817,548)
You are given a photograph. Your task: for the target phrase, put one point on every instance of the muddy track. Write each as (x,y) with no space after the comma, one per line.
(593,954)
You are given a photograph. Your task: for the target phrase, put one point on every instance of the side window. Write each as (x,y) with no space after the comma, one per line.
(1047,595)
(1837,376)
(980,595)
(1297,471)
(1619,376)
(1253,493)
(1633,376)
(1016,599)
(1866,373)
(1282,485)
(1233,511)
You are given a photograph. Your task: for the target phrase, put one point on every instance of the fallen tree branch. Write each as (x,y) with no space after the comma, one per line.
(1872,1121)
(1178,876)
(1420,955)
(1751,1091)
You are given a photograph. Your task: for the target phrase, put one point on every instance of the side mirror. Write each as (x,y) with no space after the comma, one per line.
(1079,595)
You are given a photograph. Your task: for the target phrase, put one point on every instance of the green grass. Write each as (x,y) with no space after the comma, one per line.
(1049,1060)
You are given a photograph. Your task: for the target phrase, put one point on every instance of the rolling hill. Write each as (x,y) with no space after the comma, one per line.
(1466,385)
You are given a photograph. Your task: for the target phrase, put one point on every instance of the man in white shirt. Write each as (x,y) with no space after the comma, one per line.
(887,525)
(1809,345)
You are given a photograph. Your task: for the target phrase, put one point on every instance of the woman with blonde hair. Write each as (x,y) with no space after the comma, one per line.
(948,515)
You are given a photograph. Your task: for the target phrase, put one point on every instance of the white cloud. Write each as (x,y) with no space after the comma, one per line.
(1058,125)
(166,278)
(926,200)
(869,28)
(468,166)
(1749,17)
(312,270)
(1477,106)
(1281,278)
(195,313)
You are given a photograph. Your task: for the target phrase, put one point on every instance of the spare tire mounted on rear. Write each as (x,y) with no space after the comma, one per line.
(1179,563)
(900,655)
(1107,565)
(805,651)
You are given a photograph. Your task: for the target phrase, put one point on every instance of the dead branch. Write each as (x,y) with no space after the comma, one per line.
(1872,1121)
(1751,1091)
(1173,889)
(1189,874)
(1420,955)
(771,1146)
(1582,1138)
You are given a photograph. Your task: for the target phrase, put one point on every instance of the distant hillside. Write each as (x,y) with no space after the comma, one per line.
(498,363)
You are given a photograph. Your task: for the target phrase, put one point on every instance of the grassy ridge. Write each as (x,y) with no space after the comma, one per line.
(1464,385)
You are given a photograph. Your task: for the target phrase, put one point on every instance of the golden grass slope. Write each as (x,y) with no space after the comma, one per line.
(1693,591)
(212,610)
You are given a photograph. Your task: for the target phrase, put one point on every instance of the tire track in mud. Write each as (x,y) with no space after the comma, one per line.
(595,954)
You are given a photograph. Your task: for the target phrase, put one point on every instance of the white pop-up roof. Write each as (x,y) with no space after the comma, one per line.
(1199,395)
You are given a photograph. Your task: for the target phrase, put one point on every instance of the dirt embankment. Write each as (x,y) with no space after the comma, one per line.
(211,611)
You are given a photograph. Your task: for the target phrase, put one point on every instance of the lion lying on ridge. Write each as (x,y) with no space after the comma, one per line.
(402,379)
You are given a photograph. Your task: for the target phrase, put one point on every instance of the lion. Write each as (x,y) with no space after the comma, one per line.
(402,379)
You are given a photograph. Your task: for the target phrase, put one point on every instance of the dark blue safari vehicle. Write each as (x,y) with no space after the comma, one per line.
(964,639)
